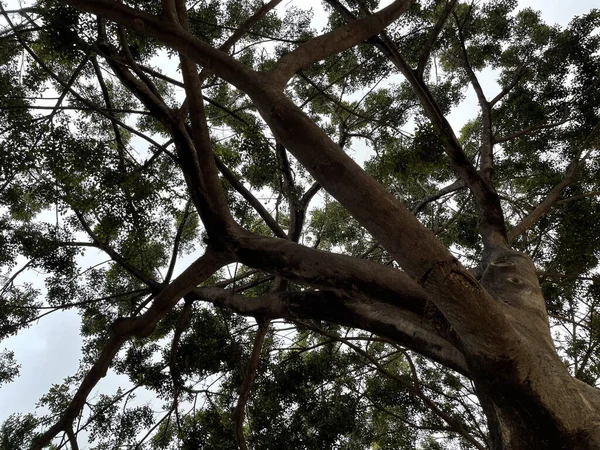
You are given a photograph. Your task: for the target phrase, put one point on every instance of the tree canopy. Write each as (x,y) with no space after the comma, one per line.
(181,174)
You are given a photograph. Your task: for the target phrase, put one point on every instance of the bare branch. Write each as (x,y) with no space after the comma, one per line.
(115,256)
(252,20)
(529,130)
(516,77)
(487,139)
(177,241)
(250,198)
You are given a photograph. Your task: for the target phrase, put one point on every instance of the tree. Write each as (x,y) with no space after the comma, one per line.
(416,284)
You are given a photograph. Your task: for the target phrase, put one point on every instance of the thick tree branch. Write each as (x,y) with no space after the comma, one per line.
(475,316)
(196,157)
(372,315)
(324,270)
(212,202)
(336,41)
(491,225)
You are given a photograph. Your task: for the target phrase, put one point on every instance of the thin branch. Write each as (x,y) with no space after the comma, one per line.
(177,241)
(530,130)
(554,195)
(251,21)
(238,413)
(456,186)
(11,280)
(79,97)
(487,139)
(519,72)
(250,198)
(116,257)
(414,387)
(433,36)
(72,438)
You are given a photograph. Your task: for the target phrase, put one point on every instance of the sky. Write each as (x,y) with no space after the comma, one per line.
(49,351)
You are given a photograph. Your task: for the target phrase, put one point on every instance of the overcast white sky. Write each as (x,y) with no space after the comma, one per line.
(50,350)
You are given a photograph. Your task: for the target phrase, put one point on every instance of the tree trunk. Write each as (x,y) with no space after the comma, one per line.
(562,414)
(530,399)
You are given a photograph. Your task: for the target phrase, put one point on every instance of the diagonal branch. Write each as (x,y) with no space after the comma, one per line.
(115,256)
(238,413)
(433,36)
(252,20)
(530,130)
(125,328)
(336,41)
(203,175)
(456,186)
(554,195)
(175,36)
(177,241)
(519,72)
(250,198)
